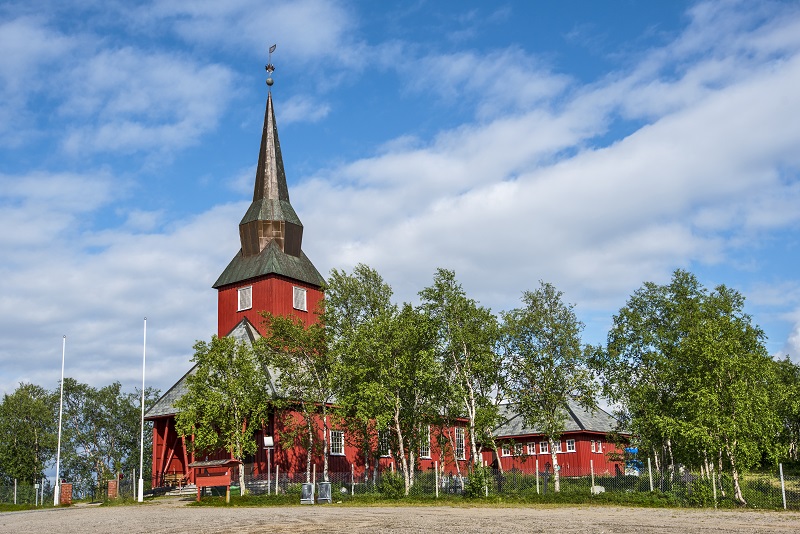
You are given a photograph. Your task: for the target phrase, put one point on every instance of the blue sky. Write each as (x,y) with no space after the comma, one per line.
(593,145)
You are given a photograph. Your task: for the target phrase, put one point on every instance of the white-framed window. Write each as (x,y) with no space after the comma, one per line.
(599,446)
(337,443)
(245,298)
(543,448)
(518,449)
(299,299)
(383,442)
(570,445)
(593,450)
(531,448)
(557,446)
(506,449)
(460,449)
(425,442)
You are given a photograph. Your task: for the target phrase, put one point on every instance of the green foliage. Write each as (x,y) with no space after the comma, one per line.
(700,493)
(693,377)
(478,482)
(298,354)
(225,398)
(391,486)
(385,363)
(100,433)
(466,342)
(546,364)
(27,433)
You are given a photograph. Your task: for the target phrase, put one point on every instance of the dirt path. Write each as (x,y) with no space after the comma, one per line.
(172,515)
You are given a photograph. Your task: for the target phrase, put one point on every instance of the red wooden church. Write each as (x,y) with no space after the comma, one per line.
(269,273)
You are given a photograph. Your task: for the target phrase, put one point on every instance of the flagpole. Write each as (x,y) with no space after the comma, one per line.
(57,489)
(141,439)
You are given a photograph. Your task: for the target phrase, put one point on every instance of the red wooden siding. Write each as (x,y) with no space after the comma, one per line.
(271,293)
(578,463)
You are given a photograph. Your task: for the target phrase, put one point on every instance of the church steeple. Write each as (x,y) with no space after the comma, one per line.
(270,216)
(270,233)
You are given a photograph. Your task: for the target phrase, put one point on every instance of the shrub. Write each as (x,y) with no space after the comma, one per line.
(392,486)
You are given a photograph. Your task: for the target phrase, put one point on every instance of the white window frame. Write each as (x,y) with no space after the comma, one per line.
(425,442)
(544,447)
(337,443)
(461,448)
(570,445)
(299,298)
(518,449)
(599,447)
(384,437)
(244,298)
(531,448)
(506,449)
(593,447)
(557,446)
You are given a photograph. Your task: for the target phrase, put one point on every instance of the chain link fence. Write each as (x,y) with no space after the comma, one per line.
(38,494)
(677,487)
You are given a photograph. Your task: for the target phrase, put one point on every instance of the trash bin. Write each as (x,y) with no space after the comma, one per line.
(307,493)
(324,492)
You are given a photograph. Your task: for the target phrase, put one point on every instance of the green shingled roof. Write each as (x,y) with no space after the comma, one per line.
(271,209)
(271,260)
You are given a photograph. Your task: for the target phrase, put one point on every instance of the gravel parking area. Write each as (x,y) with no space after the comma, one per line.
(172,515)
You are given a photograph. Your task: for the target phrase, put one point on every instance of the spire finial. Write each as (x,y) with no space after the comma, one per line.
(270,67)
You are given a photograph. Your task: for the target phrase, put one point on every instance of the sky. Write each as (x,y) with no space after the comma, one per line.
(591,145)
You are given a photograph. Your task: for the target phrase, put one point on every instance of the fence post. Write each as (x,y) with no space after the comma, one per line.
(276,479)
(436,477)
(591,469)
(15,491)
(134,484)
(650,472)
(783,487)
(537,476)
(352,479)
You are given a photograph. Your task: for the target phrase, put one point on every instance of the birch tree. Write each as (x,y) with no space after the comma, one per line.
(466,343)
(303,365)
(547,365)
(226,399)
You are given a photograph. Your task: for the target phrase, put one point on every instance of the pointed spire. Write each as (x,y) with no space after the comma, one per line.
(270,216)
(270,175)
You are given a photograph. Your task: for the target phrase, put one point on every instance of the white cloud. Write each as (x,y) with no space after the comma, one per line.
(305,30)
(126,100)
(300,108)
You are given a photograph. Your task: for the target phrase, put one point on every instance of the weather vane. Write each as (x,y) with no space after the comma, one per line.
(270,67)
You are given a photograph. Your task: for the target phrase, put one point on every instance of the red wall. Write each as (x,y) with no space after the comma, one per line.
(271,293)
(578,463)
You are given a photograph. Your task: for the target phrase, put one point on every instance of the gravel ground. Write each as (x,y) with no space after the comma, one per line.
(172,515)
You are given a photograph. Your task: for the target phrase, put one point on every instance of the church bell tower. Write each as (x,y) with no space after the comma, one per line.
(270,272)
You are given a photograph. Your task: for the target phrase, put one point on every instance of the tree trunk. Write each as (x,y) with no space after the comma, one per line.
(310,447)
(497,455)
(401,447)
(554,457)
(737,490)
(325,444)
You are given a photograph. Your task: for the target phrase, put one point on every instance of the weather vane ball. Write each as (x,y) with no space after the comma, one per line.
(270,67)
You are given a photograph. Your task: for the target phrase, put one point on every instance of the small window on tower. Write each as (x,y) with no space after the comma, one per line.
(245,298)
(300,299)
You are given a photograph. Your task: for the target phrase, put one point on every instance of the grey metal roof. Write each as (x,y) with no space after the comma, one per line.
(576,419)
(164,406)
(271,260)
